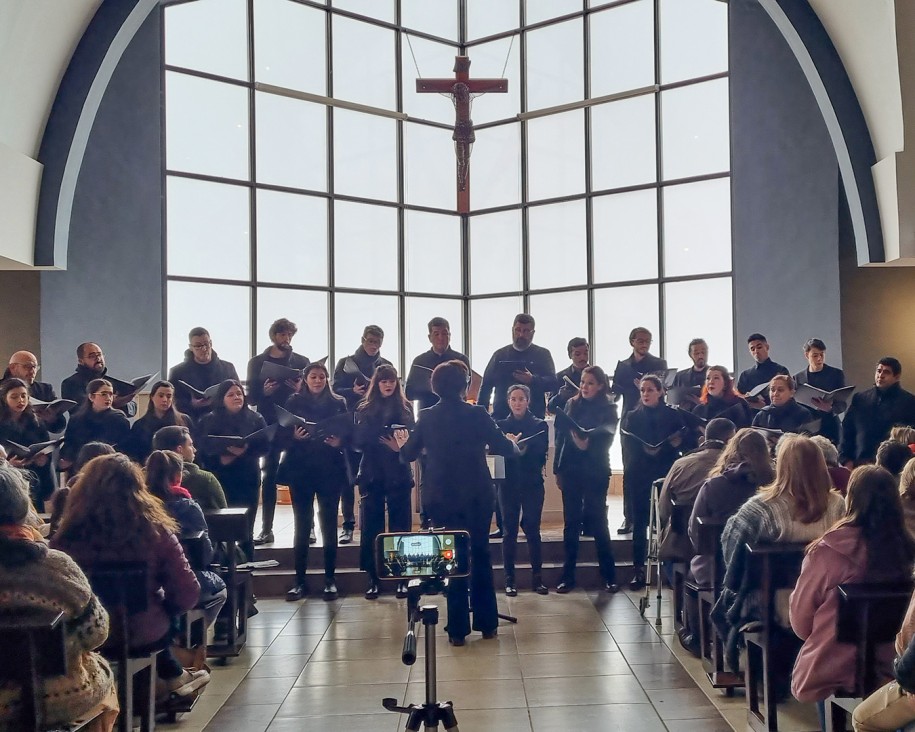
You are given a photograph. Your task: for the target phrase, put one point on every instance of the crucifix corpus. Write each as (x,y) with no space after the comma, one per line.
(462,90)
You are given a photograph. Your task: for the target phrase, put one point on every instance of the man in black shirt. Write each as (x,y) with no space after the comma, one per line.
(419,379)
(201,368)
(579,351)
(91,365)
(828,378)
(24,365)
(760,373)
(265,395)
(873,413)
(520,362)
(689,379)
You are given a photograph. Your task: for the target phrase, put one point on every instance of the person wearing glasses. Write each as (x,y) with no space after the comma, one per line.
(97,420)
(201,368)
(24,365)
(90,365)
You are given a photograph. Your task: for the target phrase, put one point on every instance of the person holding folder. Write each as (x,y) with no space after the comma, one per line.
(160,413)
(783,413)
(718,399)
(821,375)
(419,378)
(24,365)
(761,372)
(201,369)
(90,365)
(95,421)
(569,379)
(689,382)
(19,424)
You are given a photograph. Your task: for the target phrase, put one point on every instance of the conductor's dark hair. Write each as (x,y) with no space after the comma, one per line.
(449,379)
(756,337)
(814,343)
(892,456)
(81,348)
(576,343)
(283,325)
(374,330)
(695,342)
(637,330)
(720,430)
(198,332)
(170,438)
(439,322)
(525,319)
(892,363)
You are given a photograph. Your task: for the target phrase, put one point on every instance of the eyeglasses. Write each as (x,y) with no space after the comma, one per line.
(27,366)
(104,394)
(201,346)
(371,341)
(94,354)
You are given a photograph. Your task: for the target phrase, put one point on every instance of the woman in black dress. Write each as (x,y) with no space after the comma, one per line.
(161,412)
(19,424)
(95,421)
(720,400)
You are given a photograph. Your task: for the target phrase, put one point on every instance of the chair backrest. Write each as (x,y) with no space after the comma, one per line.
(121,588)
(194,546)
(774,567)
(227,524)
(679,517)
(708,544)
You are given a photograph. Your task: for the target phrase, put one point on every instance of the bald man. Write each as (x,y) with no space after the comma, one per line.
(23,365)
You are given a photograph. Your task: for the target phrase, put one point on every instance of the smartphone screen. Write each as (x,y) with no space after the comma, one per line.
(425,554)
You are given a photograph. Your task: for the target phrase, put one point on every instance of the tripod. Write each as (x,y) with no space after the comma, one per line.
(430,713)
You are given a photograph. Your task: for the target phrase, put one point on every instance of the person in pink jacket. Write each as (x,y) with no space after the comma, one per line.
(869,544)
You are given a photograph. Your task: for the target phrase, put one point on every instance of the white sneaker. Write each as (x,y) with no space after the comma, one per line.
(188,682)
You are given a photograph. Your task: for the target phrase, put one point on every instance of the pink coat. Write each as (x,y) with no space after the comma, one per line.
(825,666)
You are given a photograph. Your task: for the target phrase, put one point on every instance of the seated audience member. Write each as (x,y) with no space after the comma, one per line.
(91,366)
(35,578)
(892,456)
(112,517)
(19,424)
(160,413)
(163,479)
(907,493)
(839,473)
(799,506)
(95,421)
(201,368)
(782,413)
(719,399)
(905,435)
(870,544)
(24,365)
(59,502)
(203,485)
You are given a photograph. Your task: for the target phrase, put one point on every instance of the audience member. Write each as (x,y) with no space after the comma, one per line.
(201,484)
(892,456)
(839,473)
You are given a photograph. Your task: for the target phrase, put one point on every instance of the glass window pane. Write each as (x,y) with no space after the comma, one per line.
(495,167)
(694,39)
(560,317)
(419,311)
(365,155)
(206,126)
(625,231)
(224,310)
(488,17)
(495,253)
(617,310)
(291,142)
(289,46)
(381,9)
(623,143)
(556,155)
(435,61)
(555,60)
(496,316)
(429,167)
(697,228)
(353,312)
(557,245)
(365,246)
(699,309)
(371,82)
(208,229)
(438,18)
(695,129)
(622,48)
(224,53)
(291,238)
(537,10)
(497,60)
(432,253)
(308,310)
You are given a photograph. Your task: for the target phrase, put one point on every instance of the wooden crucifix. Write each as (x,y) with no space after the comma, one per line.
(461,87)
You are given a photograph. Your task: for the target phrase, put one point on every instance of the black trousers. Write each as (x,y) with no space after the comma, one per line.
(584,494)
(303,498)
(348,493)
(521,504)
(639,513)
(268,489)
(373,504)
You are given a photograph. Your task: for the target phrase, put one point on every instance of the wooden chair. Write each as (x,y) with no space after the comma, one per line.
(679,524)
(774,567)
(121,587)
(870,615)
(230,525)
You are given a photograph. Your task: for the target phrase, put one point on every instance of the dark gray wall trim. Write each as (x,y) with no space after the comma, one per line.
(833,91)
(72,117)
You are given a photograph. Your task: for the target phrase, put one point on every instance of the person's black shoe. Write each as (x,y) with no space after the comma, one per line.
(689,642)
(565,587)
(312,539)
(497,534)
(297,593)
(612,587)
(638,579)
(540,588)
(346,536)
(490,634)
(455,641)
(625,527)
(265,537)
(330,590)
(510,589)
(372,592)
(401,590)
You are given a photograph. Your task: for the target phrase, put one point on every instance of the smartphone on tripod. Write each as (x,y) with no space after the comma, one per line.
(423,555)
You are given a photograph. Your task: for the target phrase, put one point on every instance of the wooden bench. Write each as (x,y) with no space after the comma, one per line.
(870,615)
(679,524)
(774,567)
(230,526)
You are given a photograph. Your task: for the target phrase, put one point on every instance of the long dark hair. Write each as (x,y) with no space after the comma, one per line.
(92,387)
(326,394)
(374,404)
(161,467)
(172,416)
(598,373)
(5,412)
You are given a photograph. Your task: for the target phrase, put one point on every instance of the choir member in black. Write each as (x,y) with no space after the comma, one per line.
(314,466)
(382,478)
(651,423)
(828,378)
(90,365)
(693,378)
(520,362)
(761,372)
(236,467)
(23,365)
(19,424)
(95,421)
(720,400)
(264,395)
(455,436)
(351,379)
(580,352)
(521,493)
(873,413)
(583,473)
(160,413)
(419,378)
(783,413)
(201,368)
